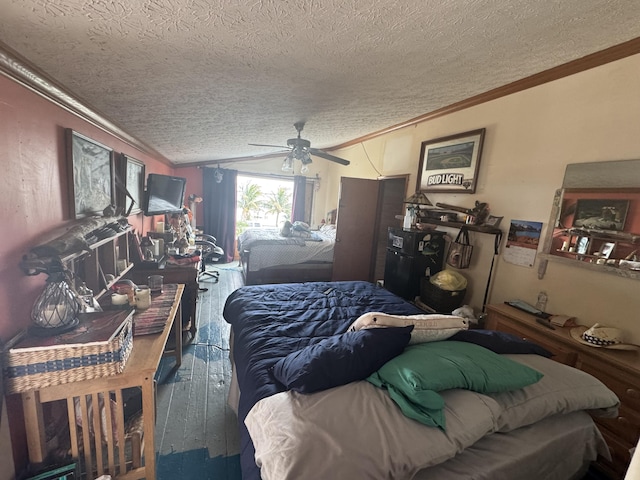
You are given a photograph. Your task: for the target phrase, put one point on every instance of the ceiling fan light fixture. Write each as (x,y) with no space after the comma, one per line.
(287,164)
(306,158)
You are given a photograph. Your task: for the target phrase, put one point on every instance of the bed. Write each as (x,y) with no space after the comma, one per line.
(358,430)
(266,256)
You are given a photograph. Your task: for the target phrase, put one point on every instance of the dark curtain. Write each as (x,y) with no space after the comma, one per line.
(298,204)
(219,202)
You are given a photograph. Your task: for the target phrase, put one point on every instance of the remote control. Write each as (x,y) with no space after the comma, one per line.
(525,307)
(545,323)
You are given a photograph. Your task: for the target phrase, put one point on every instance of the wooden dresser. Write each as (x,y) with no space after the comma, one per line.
(619,370)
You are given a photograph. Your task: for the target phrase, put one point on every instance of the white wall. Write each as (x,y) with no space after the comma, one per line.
(531,136)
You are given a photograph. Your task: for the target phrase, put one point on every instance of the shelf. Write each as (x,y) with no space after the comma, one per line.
(468,226)
(92,264)
(624,237)
(618,271)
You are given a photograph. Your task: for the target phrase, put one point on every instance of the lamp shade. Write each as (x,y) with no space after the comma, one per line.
(56,309)
(418,198)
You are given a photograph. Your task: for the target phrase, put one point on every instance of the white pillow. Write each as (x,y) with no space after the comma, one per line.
(427,328)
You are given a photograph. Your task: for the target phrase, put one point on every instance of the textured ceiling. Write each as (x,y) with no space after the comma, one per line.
(197,80)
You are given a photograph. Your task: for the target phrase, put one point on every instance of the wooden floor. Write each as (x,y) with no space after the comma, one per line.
(196,431)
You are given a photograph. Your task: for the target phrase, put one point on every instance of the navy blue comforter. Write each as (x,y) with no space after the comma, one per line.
(271,321)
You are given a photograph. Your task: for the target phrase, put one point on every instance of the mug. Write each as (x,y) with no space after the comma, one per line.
(143,297)
(119,299)
(155,283)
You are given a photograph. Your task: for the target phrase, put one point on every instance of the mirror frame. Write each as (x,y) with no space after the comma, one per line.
(618,176)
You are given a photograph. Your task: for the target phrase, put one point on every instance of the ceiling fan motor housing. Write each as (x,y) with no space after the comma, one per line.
(298,142)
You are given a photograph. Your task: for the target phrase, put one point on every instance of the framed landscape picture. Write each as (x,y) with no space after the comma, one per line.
(599,214)
(450,164)
(90,168)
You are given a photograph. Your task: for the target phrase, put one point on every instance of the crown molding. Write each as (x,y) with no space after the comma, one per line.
(18,69)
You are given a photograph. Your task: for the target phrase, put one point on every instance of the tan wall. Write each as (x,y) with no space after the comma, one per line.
(531,136)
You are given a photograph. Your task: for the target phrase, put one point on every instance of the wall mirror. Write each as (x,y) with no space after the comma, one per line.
(595,220)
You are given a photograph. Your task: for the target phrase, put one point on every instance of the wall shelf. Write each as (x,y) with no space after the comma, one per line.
(93,264)
(468,226)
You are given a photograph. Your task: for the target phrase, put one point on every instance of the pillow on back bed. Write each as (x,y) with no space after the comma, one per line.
(414,377)
(340,359)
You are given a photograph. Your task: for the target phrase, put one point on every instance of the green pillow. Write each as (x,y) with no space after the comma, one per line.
(414,376)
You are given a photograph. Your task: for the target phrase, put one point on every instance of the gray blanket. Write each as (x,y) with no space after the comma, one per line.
(271,236)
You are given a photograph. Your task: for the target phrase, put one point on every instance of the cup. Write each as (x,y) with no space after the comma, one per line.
(155,283)
(143,297)
(119,299)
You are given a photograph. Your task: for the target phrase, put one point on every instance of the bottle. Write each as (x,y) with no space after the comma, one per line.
(541,304)
(86,295)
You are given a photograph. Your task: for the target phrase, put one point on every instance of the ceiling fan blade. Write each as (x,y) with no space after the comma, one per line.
(327,156)
(263,145)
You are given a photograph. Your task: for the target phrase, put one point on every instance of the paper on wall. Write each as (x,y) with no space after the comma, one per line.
(522,242)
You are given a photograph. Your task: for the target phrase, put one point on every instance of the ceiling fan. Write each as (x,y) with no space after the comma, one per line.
(300,149)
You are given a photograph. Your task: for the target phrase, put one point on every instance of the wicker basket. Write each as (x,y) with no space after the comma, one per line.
(100,345)
(442,301)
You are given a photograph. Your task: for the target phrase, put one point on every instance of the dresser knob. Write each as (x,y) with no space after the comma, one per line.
(633,393)
(623,421)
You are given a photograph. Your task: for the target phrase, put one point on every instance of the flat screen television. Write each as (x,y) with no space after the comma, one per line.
(164,194)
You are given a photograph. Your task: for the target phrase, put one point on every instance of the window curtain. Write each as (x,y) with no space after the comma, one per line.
(299,196)
(219,202)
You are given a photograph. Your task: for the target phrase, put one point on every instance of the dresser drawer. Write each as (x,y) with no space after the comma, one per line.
(626,426)
(560,353)
(624,386)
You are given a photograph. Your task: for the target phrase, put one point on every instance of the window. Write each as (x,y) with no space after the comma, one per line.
(263,201)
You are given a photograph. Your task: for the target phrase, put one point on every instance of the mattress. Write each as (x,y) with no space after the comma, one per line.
(271,321)
(268,249)
(357,431)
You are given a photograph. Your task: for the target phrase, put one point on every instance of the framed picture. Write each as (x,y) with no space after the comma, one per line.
(599,214)
(134,181)
(90,169)
(582,245)
(450,164)
(493,221)
(606,249)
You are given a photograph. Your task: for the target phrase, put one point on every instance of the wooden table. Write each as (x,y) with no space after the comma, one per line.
(138,372)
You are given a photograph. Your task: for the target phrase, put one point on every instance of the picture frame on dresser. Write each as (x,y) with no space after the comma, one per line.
(450,164)
(91,175)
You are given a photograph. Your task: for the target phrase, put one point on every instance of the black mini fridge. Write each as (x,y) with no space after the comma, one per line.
(411,255)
